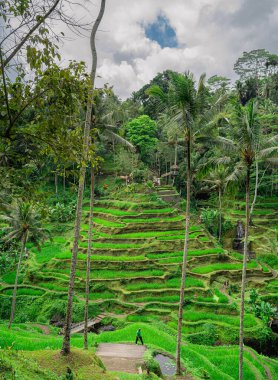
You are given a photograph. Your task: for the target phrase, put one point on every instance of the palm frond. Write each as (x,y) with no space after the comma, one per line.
(120,140)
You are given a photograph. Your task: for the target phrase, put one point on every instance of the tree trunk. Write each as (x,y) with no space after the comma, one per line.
(23,244)
(220,215)
(185,251)
(255,193)
(66,342)
(89,251)
(64,180)
(56,183)
(243,283)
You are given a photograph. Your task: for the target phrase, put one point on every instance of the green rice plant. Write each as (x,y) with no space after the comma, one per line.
(52,286)
(169,283)
(120,213)
(177,218)
(111,245)
(48,251)
(116,258)
(197,252)
(151,234)
(222,266)
(9,278)
(111,274)
(198,316)
(108,223)
(158,298)
(100,295)
(221,298)
(25,292)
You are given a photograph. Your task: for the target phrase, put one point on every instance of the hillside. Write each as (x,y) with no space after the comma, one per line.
(135,280)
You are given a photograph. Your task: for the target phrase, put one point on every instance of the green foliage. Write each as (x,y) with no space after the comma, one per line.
(142,132)
(62,213)
(207,337)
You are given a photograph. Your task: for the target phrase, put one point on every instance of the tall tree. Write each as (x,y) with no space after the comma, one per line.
(188,102)
(244,147)
(24,224)
(218,178)
(66,341)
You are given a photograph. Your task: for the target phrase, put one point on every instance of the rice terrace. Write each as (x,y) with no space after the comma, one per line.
(139,190)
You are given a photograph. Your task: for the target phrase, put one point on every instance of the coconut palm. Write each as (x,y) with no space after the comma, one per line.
(24,224)
(218,178)
(187,102)
(245,146)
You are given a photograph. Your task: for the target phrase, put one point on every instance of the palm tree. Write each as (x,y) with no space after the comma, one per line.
(24,224)
(188,102)
(218,178)
(245,146)
(88,121)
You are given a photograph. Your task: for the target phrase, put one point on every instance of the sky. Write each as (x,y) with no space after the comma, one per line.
(139,38)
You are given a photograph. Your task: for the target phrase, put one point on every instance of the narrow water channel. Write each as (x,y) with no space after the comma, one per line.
(167,365)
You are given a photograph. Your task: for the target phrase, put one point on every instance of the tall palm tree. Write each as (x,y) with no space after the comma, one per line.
(24,224)
(188,102)
(88,121)
(218,178)
(244,146)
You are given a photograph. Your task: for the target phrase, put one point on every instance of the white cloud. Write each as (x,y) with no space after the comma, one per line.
(211,35)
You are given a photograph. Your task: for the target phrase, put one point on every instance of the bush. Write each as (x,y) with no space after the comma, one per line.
(210,218)
(138,176)
(207,337)
(152,365)
(62,212)
(270,259)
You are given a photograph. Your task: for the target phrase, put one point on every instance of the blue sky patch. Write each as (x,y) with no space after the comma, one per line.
(162,32)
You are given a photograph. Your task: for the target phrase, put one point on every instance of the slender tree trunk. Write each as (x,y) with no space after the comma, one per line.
(185,251)
(23,244)
(6,96)
(64,180)
(220,215)
(66,342)
(243,283)
(56,183)
(89,251)
(176,154)
(255,193)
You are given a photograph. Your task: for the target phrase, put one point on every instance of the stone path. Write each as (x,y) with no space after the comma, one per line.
(121,357)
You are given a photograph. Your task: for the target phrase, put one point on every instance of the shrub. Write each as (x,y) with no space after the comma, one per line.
(62,212)
(207,337)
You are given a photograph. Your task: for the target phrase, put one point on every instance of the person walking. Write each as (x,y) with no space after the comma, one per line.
(139,336)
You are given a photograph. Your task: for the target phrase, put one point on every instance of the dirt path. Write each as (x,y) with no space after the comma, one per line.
(121,357)
(45,329)
(267,370)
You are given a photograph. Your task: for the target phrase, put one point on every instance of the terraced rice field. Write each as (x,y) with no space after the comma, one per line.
(136,268)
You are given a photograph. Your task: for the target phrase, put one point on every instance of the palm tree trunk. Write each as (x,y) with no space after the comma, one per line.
(220,215)
(90,235)
(185,251)
(243,284)
(23,244)
(255,193)
(64,180)
(66,341)
(56,183)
